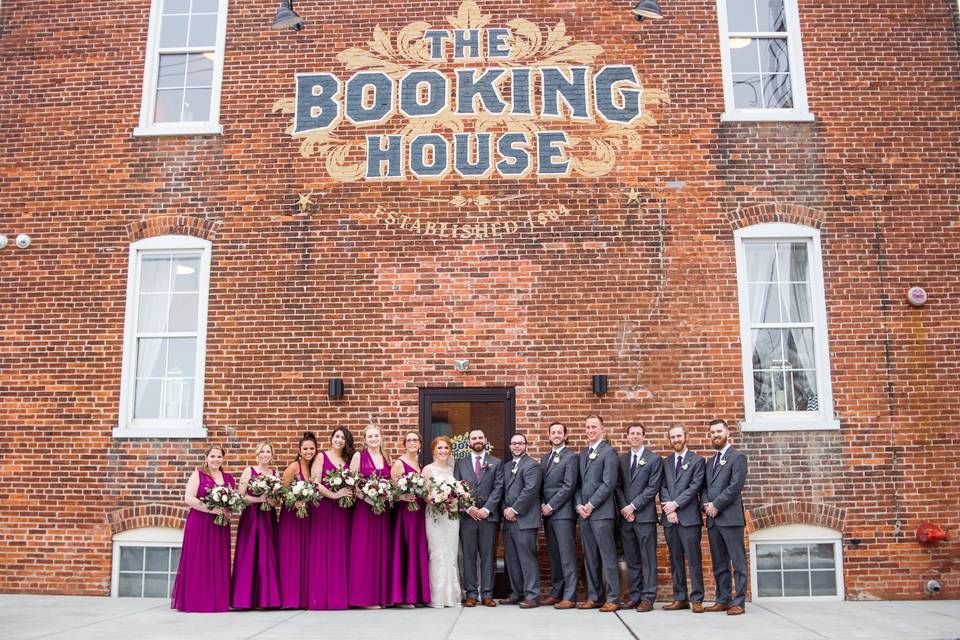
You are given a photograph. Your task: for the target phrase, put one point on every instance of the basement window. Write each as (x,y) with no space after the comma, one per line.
(794,562)
(145,562)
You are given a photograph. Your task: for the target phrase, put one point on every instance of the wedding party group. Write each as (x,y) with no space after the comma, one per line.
(340,528)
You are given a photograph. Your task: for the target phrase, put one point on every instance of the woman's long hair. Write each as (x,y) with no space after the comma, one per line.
(206,468)
(306,437)
(348,447)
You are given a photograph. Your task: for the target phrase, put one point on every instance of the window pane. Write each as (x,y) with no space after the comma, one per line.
(183,312)
(152,314)
(203,30)
(764,302)
(169,105)
(763,391)
(147,403)
(821,556)
(799,349)
(798,303)
(766,348)
(761,261)
(173,31)
(155,273)
(768,556)
(174,558)
(823,583)
(182,357)
(205,6)
(741,16)
(768,584)
(196,107)
(157,559)
(746,59)
(795,556)
(172,68)
(746,91)
(774,57)
(176,6)
(777,91)
(155,585)
(131,585)
(186,273)
(178,399)
(796,583)
(151,357)
(131,558)
(200,72)
(802,389)
(793,261)
(771,15)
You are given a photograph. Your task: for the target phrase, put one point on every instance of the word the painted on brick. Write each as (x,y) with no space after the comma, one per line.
(469,231)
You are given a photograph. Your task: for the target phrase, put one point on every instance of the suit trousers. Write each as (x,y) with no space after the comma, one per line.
(726,547)
(520,556)
(600,559)
(640,550)
(684,543)
(562,551)
(478,541)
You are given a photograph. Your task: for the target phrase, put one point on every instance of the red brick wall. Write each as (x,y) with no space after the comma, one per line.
(299,298)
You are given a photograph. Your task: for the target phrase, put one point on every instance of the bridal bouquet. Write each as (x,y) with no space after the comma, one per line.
(377,491)
(409,484)
(342,478)
(447,498)
(267,486)
(303,492)
(224,497)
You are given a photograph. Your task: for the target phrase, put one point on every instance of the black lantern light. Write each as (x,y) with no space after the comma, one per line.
(335,388)
(600,385)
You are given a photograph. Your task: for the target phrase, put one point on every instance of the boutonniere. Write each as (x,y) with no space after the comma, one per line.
(556,459)
(684,467)
(485,466)
(514,470)
(722,462)
(642,462)
(593,456)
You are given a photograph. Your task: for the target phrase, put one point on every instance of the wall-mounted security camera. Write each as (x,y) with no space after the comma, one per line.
(23,241)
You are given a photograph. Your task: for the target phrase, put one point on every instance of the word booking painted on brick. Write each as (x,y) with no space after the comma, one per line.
(469,231)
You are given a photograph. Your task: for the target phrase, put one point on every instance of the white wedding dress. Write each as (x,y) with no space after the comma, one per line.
(443,542)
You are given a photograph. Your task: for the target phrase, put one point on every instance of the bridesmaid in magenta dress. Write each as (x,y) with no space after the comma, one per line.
(369,579)
(294,532)
(255,577)
(330,531)
(409,576)
(203,576)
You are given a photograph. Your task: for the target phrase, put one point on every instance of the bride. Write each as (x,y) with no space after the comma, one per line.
(443,534)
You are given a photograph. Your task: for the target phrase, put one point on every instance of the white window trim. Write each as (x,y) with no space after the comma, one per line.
(150,68)
(142,537)
(127,427)
(824,419)
(797,534)
(800,111)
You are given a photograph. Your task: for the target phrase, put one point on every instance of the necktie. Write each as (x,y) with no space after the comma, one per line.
(676,471)
(633,466)
(589,452)
(716,463)
(550,457)
(476,466)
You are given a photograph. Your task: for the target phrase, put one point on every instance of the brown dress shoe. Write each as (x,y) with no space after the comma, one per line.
(736,611)
(697,607)
(716,607)
(470,602)
(676,605)
(587,604)
(630,604)
(528,604)
(610,607)
(645,605)
(507,601)
(548,601)
(489,602)
(565,604)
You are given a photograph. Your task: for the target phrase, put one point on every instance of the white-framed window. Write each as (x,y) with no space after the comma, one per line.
(183,71)
(164,350)
(792,562)
(145,562)
(783,329)
(762,61)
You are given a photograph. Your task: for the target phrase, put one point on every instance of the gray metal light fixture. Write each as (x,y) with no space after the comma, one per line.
(335,388)
(286,17)
(647,9)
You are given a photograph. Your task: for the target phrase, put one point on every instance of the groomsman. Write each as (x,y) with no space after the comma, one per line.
(683,476)
(596,501)
(560,473)
(521,515)
(483,473)
(726,475)
(641,472)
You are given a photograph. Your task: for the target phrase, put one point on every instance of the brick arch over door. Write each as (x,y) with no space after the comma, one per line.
(796,512)
(775,212)
(194,226)
(149,515)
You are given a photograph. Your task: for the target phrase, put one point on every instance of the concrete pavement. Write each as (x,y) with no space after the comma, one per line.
(28,617)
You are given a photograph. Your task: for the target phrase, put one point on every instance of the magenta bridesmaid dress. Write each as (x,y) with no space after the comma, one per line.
(203,576)
(292,541)
(368,583)
(409,575)
(329,552)
(256,582)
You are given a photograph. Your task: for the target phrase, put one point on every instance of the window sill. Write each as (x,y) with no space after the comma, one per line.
(204,129)
(766,116)
(160,432)
(789,424)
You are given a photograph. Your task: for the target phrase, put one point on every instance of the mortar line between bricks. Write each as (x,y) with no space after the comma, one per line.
(101,620)
(293,615)
(790,620)
(626,626)
(454,625)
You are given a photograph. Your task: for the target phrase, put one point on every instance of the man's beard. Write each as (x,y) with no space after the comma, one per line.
(678,447)
(719,446)
(478,447)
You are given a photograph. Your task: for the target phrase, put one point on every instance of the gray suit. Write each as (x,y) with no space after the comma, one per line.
(478,539)
(598,485)
(521,491)
(559,528)
(683,539)
(640,489)
(723,486)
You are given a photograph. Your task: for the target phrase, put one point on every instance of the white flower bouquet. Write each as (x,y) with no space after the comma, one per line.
(224,497)
(377,491)
(300,495)
(447,498)
(337,479)
(267,486)
(410,484)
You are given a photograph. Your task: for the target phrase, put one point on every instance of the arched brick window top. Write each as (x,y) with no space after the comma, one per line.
(193,226)
(792,513)
(167,516)
(775,212)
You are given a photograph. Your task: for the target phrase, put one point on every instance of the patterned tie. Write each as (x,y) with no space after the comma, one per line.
(633,466)
(476,466)
(679,464)
(716,463)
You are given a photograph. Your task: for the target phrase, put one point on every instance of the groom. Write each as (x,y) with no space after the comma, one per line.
(483,473)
